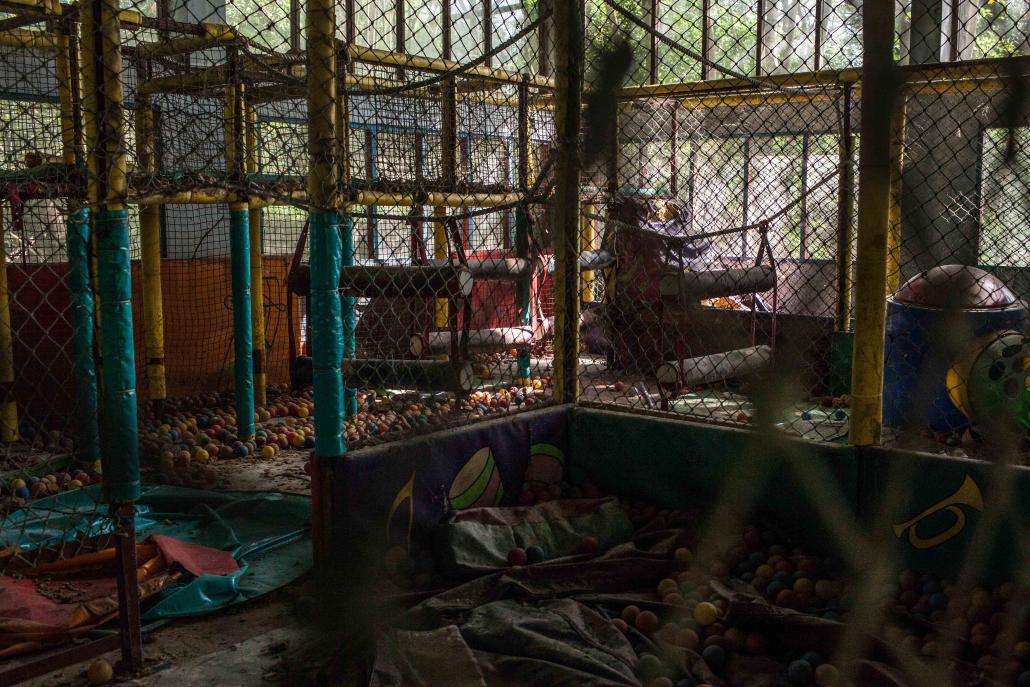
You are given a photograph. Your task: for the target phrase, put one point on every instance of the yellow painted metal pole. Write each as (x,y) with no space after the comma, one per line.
(91,133)
(150,262)
(449,167)
(327,253)
(874,191)
(440,253)
(588,234)
(8,407)
(569,51)
(894,223)
(257,271)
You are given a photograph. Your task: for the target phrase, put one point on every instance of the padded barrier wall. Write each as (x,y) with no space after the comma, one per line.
(397,493)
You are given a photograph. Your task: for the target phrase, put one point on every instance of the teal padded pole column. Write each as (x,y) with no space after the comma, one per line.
(327,327)
(524,311)
(121,429)
(349,345)
(243,367)
(522,251)
(82,335)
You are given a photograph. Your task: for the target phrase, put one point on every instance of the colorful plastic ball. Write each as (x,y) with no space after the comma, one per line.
(630,613)
(517,556)
(646,622)
(714,656)
(812,658)
(100,672)
(666,586)
(620,625)
(21,492)
(706,613)
(825,589)
(799,672)
(587,545)
(683,557)
(827,675)
(687,639)
(534,554)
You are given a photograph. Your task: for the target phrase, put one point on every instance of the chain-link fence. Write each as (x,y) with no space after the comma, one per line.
(727,197)
(202,215)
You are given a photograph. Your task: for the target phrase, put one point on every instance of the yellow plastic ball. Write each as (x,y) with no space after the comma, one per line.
(100,672)
(17,483)
(683,556)
(827,676)
(765,570)
(825,589)
(706,613)
(666,586)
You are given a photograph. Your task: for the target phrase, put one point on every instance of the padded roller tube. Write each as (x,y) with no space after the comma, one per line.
(718,283)
(479,340)
(496,269)
(371,281)
(716,367)
(423,375)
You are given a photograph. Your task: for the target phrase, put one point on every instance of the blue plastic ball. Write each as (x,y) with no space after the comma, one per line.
(807,416)
(799,672)
(714,656)
(812,658)
(534,554)
(22,492)
(938,601)
(775,587)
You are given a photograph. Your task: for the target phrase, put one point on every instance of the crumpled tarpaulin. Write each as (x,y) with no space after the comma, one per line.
(504,643)
(202,551)
(549,624)
(478,540)
(68,597)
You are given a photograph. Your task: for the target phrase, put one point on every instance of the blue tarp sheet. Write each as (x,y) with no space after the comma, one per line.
(268,533)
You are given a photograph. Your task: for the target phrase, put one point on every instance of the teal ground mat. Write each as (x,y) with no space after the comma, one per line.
(268,533)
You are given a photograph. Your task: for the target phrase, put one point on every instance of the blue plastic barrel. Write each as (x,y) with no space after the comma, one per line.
(947,304)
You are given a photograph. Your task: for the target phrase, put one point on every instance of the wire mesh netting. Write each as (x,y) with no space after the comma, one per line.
(717,226)
(196,123)
(728,196)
